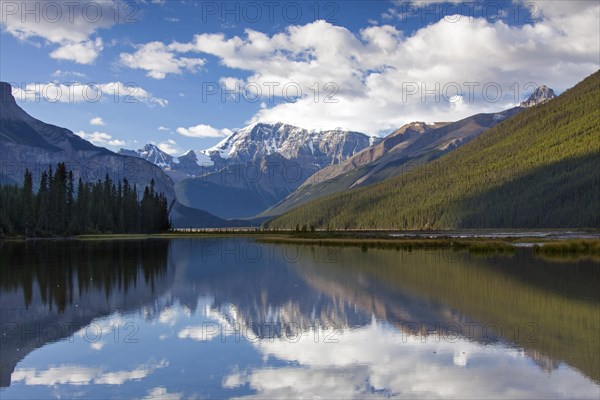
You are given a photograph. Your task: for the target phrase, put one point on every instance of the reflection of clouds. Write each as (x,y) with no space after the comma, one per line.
(374,361)
(168,316)
(119,377)
(100,328)
(460,359)
(161,393)
(65,374)
(223,322)
(79,375)
(303,382)
(222,317)
(198,332)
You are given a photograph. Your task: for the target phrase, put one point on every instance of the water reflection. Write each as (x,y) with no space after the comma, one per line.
(49,290)
(231,318)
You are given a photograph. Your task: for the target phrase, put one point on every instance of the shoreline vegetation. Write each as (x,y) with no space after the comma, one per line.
(550,248)
(481,241)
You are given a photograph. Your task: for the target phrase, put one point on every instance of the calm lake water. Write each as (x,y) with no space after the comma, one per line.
(222,318)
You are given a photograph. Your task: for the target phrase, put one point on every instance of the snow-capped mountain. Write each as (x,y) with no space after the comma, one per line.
(310,149)
(152,154)
(258,140)
(540,95)
(190,164)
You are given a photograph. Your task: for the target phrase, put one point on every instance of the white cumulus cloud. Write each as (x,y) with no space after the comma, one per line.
(203,131)
(97,121)
(380,78)
(71,26)
(100,138)
(161,393)
(159,60)
(64,74)
(83,92)
(83,52)
(169,146)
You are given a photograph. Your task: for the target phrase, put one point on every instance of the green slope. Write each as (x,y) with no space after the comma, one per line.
(410,146)
(538,169)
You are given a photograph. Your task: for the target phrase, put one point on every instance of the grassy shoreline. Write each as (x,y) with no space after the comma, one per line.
(552,247)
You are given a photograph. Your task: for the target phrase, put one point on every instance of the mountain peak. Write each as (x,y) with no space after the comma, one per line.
(6,96)
(150,147)
(261,139)
(540,95)
(189,153)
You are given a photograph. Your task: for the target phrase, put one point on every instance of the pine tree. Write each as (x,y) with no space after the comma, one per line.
(28,204)
(42,204)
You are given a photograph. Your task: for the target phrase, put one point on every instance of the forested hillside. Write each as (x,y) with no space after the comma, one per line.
(538,169)
(412,145)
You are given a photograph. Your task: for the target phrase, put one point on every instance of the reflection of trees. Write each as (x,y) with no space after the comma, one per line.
(63,269)
(554,305)
(67,284)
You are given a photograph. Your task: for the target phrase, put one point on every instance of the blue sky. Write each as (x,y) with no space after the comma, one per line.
(374,65)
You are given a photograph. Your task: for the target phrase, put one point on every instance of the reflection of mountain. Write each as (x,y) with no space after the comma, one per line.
(545,363)
(549,309)
(265,293)
(284,288)
(50,289)
(437,292)
(397,305)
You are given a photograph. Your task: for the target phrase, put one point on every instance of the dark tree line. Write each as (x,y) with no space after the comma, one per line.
(63,207)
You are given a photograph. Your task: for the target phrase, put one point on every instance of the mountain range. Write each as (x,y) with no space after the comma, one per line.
(264,170)
(190,164)
(536,169)
(412,145)
(254,168)
(26,142)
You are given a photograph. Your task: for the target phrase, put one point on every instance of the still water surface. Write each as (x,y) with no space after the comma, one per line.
(222,318)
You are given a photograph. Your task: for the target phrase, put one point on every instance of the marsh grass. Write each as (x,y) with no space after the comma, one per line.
(475,245)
